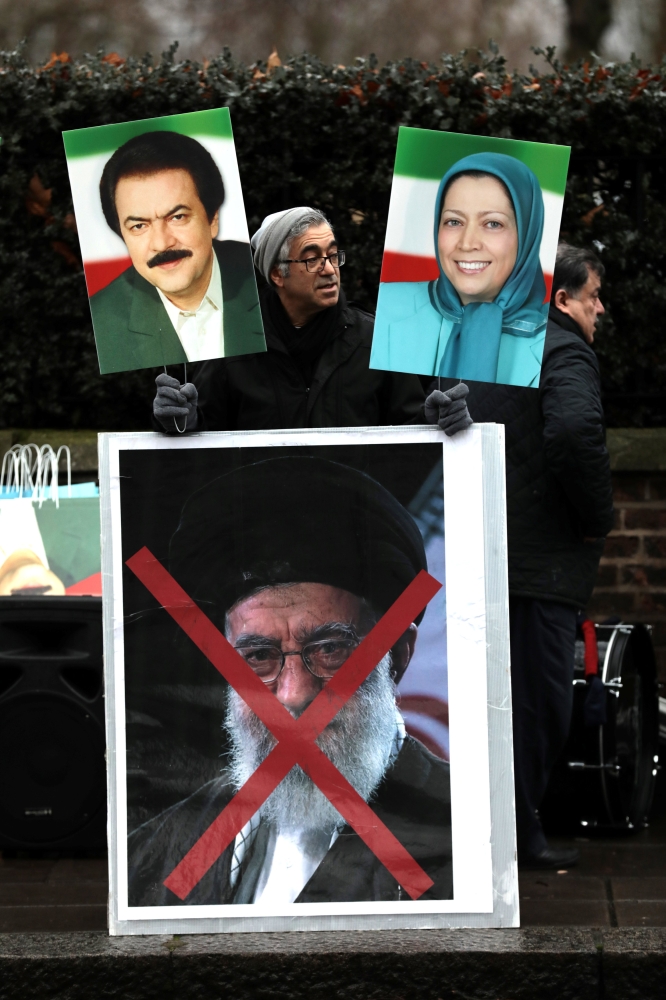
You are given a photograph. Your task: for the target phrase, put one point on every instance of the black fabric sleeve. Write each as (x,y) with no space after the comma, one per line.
(402,399)
(574,435)
(214,410)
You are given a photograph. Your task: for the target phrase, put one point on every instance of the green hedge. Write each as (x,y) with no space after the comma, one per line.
(322,135)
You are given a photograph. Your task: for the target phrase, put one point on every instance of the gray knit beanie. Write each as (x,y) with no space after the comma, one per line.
(270,236)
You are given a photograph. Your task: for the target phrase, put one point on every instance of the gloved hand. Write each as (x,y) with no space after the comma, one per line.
(449,409)
(175,402)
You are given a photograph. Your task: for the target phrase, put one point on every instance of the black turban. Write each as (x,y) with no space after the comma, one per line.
(294,520)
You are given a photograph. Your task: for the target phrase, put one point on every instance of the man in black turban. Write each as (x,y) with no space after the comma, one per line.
(297,558)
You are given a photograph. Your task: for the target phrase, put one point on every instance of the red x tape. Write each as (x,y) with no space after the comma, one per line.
(296,737)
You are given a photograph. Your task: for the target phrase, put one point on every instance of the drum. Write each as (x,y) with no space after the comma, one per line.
(606,775)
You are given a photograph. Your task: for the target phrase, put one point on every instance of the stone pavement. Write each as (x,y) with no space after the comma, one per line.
(621,882)
(49,894)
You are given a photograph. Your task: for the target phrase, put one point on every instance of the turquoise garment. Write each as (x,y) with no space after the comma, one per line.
(473,348)
(422,327)
(411,335)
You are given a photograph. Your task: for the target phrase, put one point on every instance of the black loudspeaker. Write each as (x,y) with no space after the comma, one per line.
(52,743)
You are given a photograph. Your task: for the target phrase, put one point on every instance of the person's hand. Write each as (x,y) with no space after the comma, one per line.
(449,409)
(175,403)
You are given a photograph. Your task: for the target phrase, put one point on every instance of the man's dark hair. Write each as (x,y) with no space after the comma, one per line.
(154,151)
(572,268)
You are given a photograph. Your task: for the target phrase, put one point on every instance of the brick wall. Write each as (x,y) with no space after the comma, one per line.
(631,582)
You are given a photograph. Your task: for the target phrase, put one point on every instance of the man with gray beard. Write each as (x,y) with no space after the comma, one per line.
(296,583)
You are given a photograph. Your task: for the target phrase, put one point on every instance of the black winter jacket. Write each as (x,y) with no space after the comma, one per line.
(557,468)
(267,391)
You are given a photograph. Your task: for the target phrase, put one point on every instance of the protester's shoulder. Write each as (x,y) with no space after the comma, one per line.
(566,355)
(358,319)
(560,341)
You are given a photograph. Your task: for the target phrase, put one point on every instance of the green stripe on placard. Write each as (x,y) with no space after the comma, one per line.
(427,154)
(107,138)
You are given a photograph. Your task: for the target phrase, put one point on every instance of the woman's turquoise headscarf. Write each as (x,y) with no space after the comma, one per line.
(473,347)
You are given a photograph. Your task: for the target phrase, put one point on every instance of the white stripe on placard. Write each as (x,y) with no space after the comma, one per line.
(98,242)
(410,231)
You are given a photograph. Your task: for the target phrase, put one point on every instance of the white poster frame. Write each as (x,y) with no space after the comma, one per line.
(483,822)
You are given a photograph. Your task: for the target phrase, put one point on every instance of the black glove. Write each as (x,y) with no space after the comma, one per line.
(449,409)
(175,405)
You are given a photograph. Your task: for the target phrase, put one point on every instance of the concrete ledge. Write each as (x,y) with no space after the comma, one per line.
(530,964)
(631,449)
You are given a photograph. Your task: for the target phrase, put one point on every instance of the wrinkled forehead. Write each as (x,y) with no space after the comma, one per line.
(146,191)
(290,609)
(318,238)
(477,194)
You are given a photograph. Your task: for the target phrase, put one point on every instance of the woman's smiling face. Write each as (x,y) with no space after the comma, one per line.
(478,238)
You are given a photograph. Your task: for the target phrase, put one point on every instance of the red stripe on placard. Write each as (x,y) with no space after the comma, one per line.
(426,704)
(91,586)
(100,273)
(408,267)
(411,267)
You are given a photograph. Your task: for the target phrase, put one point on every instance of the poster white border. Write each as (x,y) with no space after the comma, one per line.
(483,824)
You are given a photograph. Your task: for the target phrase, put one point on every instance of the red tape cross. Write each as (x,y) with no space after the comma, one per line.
(295,736)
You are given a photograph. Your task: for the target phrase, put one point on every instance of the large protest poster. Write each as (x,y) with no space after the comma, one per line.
(306,641)
(469,255)
(164,240)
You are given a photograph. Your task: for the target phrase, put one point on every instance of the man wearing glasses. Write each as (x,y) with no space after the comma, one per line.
(315,371)
(296,588)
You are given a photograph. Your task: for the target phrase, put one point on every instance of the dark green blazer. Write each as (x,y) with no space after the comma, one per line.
(133,330)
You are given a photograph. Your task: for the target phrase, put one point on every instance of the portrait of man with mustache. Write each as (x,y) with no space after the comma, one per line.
(189,295)
(296,558)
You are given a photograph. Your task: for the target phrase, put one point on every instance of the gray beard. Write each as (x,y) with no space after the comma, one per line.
(359,741)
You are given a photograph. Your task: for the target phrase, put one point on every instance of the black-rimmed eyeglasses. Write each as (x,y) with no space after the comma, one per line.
(321,658)
(313,264)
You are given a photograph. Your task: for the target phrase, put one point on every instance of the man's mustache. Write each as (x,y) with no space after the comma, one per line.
(166,256)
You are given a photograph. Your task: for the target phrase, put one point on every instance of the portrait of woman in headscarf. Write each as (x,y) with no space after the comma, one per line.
(484,317)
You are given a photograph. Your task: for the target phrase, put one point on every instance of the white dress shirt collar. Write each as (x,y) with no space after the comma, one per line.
(200,331)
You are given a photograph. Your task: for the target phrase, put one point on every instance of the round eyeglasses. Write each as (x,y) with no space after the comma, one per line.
(313,264)
(321,658)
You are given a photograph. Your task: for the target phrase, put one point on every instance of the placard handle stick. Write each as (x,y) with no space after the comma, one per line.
(175,419)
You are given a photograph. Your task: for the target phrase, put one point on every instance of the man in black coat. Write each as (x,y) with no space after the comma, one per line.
(559,508)
(315,372)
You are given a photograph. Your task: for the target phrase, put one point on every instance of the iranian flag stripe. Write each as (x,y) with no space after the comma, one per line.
(409,267)
(398,266)
(422,158)
(105,139)
(100,273)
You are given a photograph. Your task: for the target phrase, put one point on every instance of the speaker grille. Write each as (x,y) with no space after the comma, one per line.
(52,774)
